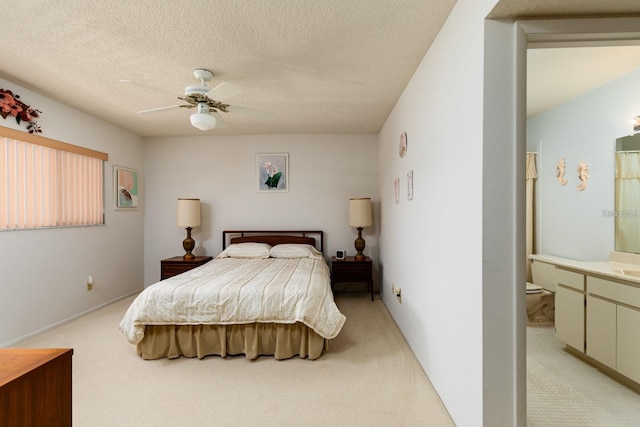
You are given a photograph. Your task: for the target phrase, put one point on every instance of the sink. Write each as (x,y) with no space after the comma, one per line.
(629,272)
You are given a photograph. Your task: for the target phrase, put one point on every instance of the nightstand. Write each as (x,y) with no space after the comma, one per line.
(350,270)
(173,266)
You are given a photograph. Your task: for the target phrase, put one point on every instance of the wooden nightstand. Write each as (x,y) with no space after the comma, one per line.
(350,270)
(173,266)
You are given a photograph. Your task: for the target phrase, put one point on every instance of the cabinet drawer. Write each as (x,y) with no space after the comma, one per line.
(173,266)
(350,270)
(170,270)
(359,269)
(619,292)
(351,276)
(570,278)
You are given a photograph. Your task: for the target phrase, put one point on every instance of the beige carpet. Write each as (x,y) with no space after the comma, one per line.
(369,377)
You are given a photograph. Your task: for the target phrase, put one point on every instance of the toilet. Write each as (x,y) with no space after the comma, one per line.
(541,294)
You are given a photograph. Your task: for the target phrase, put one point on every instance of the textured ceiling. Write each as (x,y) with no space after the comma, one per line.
(555,76)
(316,66)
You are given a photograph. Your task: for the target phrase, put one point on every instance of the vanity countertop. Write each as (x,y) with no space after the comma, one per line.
(614,270)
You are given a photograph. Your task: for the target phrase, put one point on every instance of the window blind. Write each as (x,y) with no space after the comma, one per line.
(41,186)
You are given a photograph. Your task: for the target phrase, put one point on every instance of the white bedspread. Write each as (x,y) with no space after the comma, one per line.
(237,291)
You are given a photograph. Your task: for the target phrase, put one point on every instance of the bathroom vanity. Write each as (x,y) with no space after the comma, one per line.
(597,312)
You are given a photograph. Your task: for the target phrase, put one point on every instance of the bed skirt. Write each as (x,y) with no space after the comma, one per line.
(253,340)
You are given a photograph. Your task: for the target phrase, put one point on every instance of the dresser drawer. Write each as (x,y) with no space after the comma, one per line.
(570,278)
(618,292)
(173,266)
(353,270)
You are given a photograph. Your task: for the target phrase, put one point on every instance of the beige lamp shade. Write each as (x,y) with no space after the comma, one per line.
(188,213)
(360,212)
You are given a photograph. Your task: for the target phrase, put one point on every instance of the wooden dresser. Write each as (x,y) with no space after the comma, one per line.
(35,387)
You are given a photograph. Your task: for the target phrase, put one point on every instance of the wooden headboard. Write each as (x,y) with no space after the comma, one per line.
(274,237)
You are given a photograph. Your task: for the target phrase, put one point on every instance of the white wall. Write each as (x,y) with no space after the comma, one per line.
(432,247)
(569,222)
(325,171)
(43,272)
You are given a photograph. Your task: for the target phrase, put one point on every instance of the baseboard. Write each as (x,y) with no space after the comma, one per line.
(611,373)
(12,343)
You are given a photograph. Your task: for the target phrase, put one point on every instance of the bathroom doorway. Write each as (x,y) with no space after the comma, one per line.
(560,75)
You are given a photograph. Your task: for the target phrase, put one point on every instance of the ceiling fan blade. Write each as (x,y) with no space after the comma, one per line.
(170,107)
(220,122)
(223,91)
(250,112)
(146,86)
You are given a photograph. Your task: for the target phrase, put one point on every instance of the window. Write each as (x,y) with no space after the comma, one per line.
(47,183)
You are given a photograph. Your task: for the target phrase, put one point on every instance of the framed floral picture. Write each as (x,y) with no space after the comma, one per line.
(272,171)
(125,188)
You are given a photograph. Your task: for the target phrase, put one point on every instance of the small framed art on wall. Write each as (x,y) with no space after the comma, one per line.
(125,188)
(272,171)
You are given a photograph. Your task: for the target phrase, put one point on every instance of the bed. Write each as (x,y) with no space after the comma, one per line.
(266,293)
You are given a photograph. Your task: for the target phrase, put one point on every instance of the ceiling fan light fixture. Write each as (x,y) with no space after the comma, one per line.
(202,119)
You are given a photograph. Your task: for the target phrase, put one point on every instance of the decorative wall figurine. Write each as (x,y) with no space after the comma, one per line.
(396,189)
(402,149)
(583,175)
(410,185)
(560,172)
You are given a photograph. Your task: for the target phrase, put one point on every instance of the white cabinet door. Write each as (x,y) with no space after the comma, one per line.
(628,359)
(569,317)
(601,331)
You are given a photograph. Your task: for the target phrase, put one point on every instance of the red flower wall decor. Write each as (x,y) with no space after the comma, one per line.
(10,104)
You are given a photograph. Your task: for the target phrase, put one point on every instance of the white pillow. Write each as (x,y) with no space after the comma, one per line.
(246,250)
(294,250)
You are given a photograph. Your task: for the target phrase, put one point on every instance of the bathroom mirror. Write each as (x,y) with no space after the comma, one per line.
(627,194)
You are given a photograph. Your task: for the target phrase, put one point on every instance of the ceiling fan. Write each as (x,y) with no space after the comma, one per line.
(208,101)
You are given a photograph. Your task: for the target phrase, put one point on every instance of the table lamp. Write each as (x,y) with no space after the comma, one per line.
(360,217)
(188,217)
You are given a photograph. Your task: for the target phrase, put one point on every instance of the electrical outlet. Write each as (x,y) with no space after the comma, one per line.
(90,283)
(396,292)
